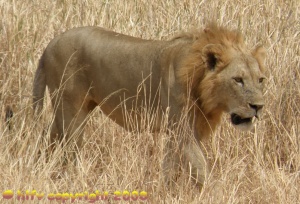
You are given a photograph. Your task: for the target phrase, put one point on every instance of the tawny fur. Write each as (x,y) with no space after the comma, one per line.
(210,71)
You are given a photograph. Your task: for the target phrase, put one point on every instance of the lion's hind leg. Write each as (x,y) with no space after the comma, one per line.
(68,125)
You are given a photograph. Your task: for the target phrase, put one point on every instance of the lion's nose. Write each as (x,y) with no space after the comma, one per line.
(256,107)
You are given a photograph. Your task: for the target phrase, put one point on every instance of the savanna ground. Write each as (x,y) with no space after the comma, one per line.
(261,166)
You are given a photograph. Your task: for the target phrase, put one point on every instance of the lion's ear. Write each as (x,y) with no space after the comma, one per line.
(212,55)
(259,53)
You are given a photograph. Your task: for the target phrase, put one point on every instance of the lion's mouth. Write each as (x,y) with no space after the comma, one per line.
(237,120)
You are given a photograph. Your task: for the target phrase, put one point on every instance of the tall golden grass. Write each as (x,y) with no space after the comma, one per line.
(261,166)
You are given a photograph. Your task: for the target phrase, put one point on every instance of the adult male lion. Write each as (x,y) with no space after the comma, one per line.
(210,71)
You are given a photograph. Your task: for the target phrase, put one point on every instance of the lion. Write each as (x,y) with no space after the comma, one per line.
(210,71)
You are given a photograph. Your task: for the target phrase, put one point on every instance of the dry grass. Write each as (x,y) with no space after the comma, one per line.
(261,166)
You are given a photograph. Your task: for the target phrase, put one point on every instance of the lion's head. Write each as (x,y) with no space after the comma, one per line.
(225,77)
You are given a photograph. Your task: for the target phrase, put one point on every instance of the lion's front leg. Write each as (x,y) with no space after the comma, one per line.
(191,157)
(171,164)
(196,162)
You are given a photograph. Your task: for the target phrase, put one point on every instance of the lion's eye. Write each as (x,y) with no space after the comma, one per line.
(239,80)
(261,80)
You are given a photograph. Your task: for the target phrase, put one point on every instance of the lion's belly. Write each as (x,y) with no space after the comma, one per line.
(124,100)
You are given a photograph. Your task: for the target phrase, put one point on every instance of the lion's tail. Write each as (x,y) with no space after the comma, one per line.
(39,87)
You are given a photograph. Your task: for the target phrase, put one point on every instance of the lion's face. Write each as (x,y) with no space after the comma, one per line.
(243,84)
(238,87)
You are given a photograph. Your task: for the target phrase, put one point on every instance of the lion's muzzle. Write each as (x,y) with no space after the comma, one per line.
(237,119)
